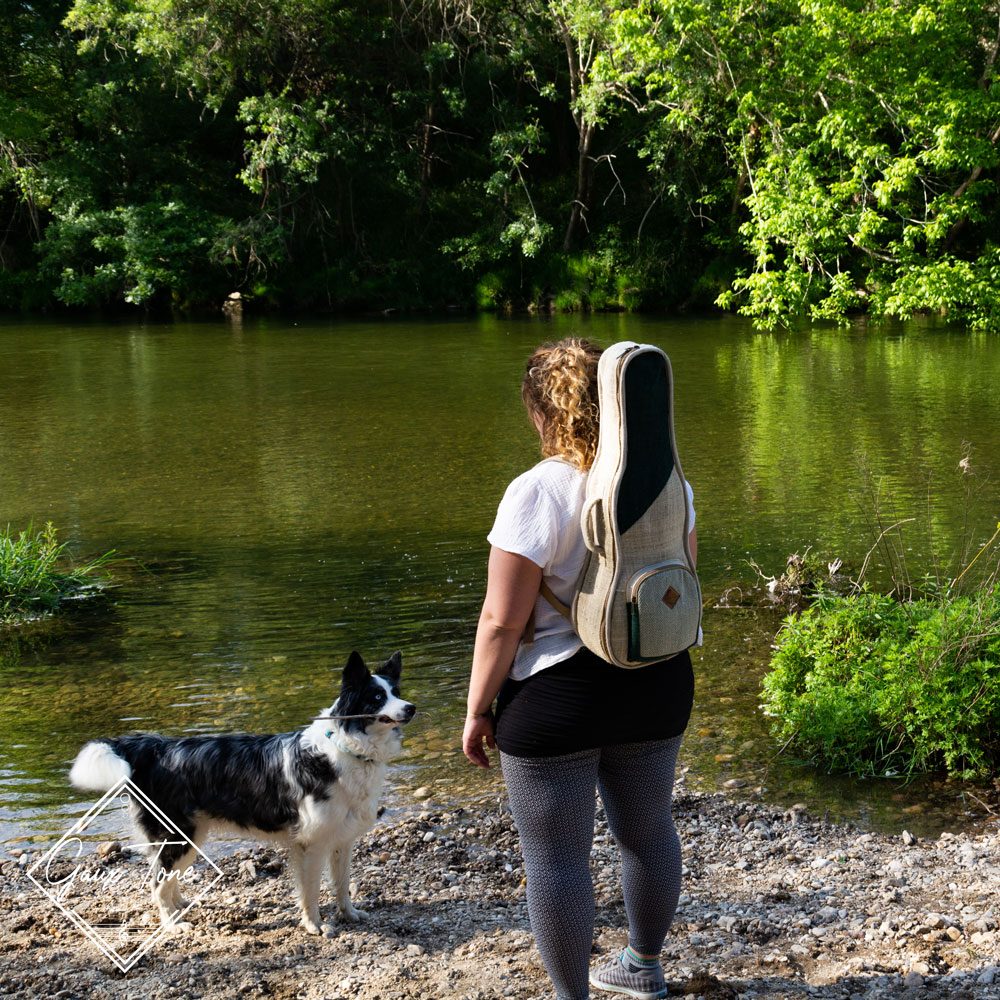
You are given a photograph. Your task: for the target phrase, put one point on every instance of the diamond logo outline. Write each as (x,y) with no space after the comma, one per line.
(122,789)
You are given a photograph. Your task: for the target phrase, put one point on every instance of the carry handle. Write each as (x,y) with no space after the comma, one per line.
(592,523)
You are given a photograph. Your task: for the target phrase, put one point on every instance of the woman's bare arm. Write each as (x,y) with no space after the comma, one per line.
(511,590)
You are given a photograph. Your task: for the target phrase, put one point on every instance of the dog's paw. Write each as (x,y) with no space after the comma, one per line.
(352,915)
(310,926)
(178,926)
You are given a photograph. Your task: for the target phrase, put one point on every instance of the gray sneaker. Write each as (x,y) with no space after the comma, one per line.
(643,985)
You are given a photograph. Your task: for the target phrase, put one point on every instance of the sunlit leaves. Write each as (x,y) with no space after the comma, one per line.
(864,134)
(287,140)
(879,175)
(131,252)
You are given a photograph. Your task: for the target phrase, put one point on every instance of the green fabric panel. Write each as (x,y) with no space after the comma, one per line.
(633,633)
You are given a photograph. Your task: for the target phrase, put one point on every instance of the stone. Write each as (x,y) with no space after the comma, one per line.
(423,792)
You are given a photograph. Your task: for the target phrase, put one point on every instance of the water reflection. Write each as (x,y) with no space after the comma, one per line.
(293,492)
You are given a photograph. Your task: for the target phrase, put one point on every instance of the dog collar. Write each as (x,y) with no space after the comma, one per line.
(350,753)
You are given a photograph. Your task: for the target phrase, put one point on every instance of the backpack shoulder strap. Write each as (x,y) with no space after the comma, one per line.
(528,636)
(546,591)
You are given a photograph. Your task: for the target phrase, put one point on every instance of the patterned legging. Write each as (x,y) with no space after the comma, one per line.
(552,801)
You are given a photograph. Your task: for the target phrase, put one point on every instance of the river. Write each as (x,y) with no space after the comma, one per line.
(287,491)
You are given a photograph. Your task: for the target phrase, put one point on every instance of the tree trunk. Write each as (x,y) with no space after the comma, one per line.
(584,184)
(585,131)
(426,157)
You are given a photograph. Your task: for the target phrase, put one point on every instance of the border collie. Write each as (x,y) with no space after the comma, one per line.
(315,790)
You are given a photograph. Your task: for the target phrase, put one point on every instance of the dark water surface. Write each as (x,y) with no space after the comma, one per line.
(291,491)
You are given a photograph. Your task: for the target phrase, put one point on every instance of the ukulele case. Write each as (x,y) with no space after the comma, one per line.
(638,599)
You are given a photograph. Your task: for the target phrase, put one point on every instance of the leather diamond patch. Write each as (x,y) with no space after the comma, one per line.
(671,597)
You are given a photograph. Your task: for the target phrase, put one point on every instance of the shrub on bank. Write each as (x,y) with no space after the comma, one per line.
(866,684)
(35,575)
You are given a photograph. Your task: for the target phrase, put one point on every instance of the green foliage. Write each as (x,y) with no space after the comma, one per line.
(785,159)
(604,279)
(869,685)
(874,186)
(133,253)
(35,575)
(489,292)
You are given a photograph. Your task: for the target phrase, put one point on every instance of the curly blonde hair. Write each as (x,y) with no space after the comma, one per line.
(560,384)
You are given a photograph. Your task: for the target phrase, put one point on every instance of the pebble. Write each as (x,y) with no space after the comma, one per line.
(813,902)
(423,792)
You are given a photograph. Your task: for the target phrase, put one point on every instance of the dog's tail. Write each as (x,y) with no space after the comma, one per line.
(98,768)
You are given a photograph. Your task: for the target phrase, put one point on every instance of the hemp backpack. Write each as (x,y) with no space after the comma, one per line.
(638,598)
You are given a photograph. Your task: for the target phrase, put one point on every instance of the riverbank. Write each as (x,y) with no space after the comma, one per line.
(776,904)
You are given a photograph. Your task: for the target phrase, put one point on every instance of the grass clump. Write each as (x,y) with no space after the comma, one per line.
(36,574)
(867,684)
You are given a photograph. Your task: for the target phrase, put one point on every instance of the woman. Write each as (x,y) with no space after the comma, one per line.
(567,721)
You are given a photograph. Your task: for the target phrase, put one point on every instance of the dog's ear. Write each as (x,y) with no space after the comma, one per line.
(355,672)
(392,667)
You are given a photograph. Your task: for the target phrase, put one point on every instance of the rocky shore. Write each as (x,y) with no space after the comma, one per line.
(776,904)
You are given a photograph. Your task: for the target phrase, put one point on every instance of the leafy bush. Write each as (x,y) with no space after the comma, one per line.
(135,253)
(35,575)
(868,685)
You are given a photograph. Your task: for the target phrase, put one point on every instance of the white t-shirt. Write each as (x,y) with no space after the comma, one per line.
(539,518)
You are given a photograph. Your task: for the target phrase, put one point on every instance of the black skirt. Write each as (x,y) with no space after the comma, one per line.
(586,702)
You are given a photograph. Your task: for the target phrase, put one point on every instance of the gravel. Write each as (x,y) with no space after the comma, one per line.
(776,903)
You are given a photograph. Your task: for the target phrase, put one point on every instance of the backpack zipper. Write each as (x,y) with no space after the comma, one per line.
(639,579)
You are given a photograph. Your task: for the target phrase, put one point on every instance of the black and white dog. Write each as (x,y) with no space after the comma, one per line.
(315,790)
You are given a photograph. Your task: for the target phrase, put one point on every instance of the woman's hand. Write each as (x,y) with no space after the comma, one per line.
(477,729)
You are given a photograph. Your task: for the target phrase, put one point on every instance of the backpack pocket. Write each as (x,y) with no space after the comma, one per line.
(664,610)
